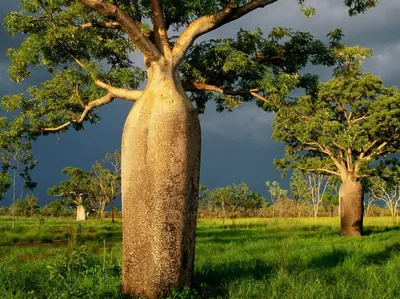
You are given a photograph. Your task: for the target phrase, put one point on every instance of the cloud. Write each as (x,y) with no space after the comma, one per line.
(247,123)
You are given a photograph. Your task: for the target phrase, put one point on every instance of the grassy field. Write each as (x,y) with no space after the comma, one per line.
(262,258)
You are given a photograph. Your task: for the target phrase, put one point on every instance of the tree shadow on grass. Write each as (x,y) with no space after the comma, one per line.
(383,256)
(328,259)
(213,281)
(370,230)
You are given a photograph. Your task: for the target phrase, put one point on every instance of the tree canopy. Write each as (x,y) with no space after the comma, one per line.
(85,46)
(77,190)
(351,122)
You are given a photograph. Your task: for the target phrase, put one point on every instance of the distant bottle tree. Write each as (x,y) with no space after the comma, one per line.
(351,122)
(77,191)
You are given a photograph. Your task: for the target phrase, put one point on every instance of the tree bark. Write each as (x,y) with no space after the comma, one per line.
(351,207)
(80,213)
(160,178)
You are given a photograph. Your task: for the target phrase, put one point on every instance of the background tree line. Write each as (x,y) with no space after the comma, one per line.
(83,194)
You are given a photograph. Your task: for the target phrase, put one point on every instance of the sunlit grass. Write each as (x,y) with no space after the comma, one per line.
(256,258)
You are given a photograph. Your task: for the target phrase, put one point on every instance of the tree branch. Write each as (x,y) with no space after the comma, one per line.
(122,93)
(200,86)
(210,22)
(338,164)
(100,25)
(361,156)
(108,9)
(321,170)
(108,98)
(159,27)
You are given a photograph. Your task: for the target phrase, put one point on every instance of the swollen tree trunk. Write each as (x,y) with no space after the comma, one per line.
(80,213)
(160,178)
(351,207)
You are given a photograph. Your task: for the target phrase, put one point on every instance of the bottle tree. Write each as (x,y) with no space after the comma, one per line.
(77,191)
(349,125)
(86,45)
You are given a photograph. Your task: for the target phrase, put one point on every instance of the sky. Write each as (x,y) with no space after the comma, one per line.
(236,146)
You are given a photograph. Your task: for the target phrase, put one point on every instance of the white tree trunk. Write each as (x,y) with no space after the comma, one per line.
(80,213)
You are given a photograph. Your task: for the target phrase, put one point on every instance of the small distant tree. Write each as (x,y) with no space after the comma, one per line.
(77,191)
(330,201)
(299,192)
(313,186)
(368,202)
(17,159)
(20,208)
(114,159)
(389,192)
(32,203)
(106,186)
(276,192)
(55,208)
(222,196)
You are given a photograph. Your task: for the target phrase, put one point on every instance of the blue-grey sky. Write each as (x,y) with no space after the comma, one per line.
(236,146)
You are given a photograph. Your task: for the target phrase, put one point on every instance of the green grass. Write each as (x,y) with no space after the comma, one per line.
(262,258)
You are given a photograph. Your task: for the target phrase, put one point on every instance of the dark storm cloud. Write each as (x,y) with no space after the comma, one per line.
(236,146)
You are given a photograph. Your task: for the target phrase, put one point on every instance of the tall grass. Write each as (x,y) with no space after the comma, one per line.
(262,258)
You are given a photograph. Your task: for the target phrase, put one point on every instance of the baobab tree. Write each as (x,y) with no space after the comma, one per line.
(75,39)
(351,122)
(78,190)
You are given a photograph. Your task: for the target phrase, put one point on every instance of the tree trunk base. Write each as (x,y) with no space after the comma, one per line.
(351,205)
(80,213)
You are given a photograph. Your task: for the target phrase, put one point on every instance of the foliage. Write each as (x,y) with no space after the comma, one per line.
(77,190)
(351,122)
(87,53)
(230,199)
(5,183)
(21,207)
(32,203)
(310,187)
(387,189)
(55,208)
(275,191)
(106,183)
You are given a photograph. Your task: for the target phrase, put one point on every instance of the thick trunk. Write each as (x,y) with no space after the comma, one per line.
(351,207)
(80,213)
(160,177)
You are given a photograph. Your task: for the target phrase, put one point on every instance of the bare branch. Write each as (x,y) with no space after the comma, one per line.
(159,27)
(372,144)
(341,167)
(200,86)
(128,24)
(100,25)
(108,98)
(321,170)
(121,93)
(55,129)
(210,22)
(360,118)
